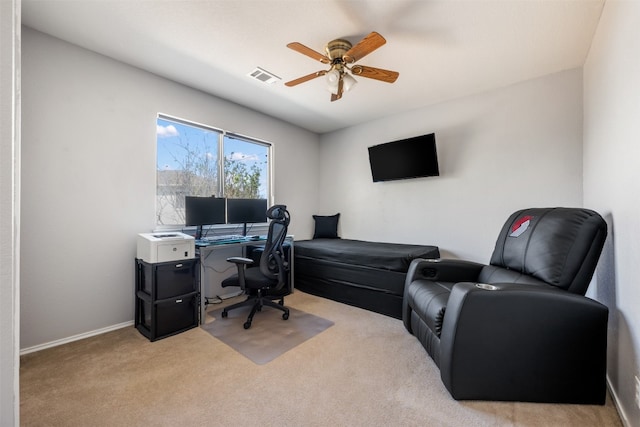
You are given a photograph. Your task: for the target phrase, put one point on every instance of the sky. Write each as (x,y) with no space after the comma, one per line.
(171,135)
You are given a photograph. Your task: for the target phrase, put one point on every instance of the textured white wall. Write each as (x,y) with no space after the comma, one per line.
(520,146)
(611,177)
(89,180)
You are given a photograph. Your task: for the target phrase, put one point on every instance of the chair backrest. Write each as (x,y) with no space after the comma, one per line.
(558,246)
(273,262)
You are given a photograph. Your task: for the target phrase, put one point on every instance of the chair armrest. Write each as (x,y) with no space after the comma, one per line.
(241,263)
(523,343)
(240,260)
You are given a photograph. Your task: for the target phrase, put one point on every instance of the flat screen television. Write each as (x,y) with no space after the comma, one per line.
(403,159)
(245,211)
(201,211)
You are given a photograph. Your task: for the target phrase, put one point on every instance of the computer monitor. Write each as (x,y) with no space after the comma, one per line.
(200,211)
(243,211)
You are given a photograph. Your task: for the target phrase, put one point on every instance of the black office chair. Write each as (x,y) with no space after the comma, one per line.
(262,282)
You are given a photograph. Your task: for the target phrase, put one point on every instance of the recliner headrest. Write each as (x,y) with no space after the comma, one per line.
(559,246)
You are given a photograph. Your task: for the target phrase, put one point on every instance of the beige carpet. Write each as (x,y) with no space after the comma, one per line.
(269,336)
(365,370)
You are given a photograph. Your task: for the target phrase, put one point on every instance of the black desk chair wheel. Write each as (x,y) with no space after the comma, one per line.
(264,281)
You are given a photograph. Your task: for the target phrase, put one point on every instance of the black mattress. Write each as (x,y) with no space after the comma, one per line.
(385,256)
(369,275)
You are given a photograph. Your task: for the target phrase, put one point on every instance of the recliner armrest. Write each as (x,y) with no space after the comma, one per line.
(437,270)
(523,343)
(443,270)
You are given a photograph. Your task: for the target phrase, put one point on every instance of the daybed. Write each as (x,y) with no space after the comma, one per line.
(369,275)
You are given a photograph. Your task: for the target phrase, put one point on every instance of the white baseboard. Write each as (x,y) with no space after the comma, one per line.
(616,402)
(75,338)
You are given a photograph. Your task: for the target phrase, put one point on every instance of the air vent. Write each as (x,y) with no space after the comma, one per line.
(263,75)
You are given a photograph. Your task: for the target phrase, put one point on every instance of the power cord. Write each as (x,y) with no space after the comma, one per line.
(216,300)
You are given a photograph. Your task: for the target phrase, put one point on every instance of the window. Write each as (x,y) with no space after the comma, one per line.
(196,160)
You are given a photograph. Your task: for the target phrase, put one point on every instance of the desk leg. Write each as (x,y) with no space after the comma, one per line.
(291,265)
(201,292)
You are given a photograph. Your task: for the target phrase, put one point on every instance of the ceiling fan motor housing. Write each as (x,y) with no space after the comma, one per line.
(337,48)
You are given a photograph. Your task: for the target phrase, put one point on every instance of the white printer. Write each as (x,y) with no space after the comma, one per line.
(165,247)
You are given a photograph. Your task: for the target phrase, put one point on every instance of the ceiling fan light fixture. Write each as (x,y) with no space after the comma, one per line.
(333,80)
(348,82)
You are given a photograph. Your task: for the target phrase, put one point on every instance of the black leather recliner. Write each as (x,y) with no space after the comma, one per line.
(520,328)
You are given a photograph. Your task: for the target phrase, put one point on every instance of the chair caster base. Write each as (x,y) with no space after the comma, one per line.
(247,325)
(285,316)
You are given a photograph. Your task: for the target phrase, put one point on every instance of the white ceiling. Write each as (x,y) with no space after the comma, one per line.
(443,49)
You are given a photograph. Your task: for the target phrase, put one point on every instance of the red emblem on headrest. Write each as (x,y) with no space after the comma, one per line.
(520,226)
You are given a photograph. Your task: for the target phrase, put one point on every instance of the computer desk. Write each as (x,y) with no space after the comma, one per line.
(214,267)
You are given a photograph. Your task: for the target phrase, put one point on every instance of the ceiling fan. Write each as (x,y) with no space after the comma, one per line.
(341,56)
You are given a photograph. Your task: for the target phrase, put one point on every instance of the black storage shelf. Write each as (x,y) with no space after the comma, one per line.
(166,297)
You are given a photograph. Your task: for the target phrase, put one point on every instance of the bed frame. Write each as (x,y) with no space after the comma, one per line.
(368,275)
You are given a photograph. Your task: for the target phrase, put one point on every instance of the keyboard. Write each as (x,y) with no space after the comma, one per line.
(220,240)
(224,238)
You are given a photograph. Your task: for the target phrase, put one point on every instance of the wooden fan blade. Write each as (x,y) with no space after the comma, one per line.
(300,48)
(305,78)
(364,47)
(375,73)
(335,97)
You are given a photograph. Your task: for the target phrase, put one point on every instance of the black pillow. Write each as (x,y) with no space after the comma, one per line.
(326,226)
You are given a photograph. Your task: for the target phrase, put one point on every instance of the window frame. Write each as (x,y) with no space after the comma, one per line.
(221,173)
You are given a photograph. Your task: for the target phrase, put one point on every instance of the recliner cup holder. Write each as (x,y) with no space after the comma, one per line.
(486,287)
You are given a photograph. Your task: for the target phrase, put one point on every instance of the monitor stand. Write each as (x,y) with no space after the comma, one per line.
(199,232)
